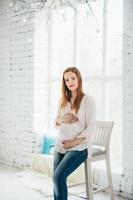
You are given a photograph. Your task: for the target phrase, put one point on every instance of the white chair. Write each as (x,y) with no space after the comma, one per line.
(100,151)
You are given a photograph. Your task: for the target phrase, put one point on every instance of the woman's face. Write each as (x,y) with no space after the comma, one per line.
(71,81)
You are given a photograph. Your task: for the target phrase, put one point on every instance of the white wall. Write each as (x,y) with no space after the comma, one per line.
(21,76)
(127,180)
(16,88)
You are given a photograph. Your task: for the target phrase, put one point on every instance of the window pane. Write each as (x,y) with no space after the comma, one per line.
(89,39)
(94,88)
(69,32)
(54,99)
(114,38)
(62,40)
(113,111)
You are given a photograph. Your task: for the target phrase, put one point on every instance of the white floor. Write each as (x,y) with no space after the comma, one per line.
(11,188)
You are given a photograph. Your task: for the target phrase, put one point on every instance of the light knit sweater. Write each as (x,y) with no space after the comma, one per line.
(84,127)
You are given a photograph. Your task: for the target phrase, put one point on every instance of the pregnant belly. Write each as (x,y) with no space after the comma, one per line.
(69,131)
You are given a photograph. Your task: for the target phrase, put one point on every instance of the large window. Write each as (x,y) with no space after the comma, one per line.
(93,43)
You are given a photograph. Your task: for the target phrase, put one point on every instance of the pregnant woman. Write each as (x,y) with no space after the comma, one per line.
(75,122)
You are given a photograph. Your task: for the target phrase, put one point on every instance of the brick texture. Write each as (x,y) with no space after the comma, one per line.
(127,179)
(23,84)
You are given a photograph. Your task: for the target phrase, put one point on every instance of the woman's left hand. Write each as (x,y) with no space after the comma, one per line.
(67,144)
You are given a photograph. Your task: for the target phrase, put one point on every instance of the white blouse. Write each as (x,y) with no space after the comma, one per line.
(84,127)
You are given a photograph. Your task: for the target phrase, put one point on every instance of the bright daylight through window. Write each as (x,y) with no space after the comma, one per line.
(91,41)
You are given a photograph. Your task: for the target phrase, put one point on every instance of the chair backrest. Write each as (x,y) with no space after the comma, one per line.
(102,133)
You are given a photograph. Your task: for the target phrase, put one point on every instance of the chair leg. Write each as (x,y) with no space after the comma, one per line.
(110,178)
(88,180)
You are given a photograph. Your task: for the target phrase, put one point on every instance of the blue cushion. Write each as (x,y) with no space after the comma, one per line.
(47,146)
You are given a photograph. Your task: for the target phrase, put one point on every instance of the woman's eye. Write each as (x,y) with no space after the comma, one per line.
(73,78)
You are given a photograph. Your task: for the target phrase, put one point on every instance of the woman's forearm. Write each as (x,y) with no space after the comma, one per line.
(78,140)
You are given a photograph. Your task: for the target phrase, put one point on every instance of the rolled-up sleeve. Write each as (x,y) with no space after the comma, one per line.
(89,119)
(89,124)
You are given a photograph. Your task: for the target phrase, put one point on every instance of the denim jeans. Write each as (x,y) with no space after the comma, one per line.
(64,165)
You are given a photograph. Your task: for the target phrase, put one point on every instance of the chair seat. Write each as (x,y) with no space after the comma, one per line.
(97,152)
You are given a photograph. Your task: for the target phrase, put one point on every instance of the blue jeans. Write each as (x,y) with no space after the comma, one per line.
(64,165)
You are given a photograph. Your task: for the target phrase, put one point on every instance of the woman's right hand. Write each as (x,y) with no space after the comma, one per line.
(69,118)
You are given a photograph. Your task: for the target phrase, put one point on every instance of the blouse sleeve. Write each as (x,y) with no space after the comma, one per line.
(89,119)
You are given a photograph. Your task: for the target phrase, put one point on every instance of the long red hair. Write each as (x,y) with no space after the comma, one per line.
(66,93)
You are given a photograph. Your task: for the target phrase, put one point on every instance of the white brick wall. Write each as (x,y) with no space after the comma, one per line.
(22,96)
(127,180)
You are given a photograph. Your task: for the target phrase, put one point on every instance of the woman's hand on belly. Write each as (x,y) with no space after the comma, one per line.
(67,144)
(69,118)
